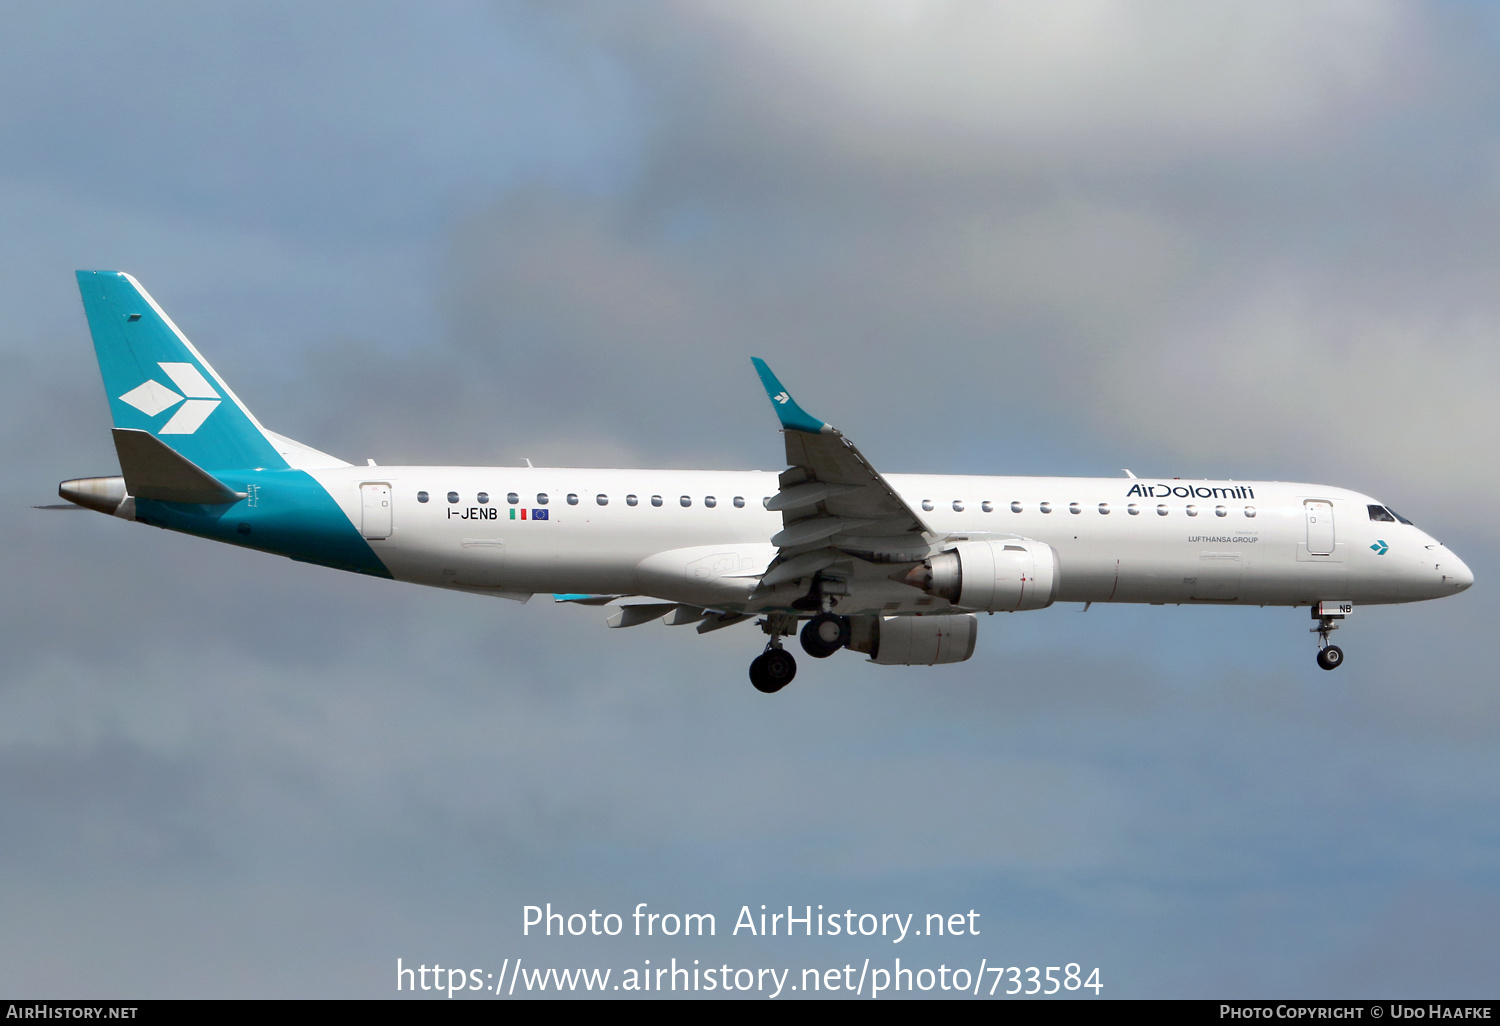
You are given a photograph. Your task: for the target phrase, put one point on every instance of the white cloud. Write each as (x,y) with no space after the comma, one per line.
(1374,392)
(1072,75)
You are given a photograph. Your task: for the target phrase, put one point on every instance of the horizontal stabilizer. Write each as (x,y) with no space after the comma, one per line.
(154,471)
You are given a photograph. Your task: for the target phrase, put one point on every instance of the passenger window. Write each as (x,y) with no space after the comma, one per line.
(1073,507)
(421,496)
(1250,511)
(927,505)
(958,507)
(1015,507)
(1161,510)
(686,500)
(631,500)
(987,506)
(484,498)
(1382,514)
(1220,511)
(1192,511)
(512,498)
(739,502)
(1104,508)
(572,498)
(452,496)
(710,501)
(1133,510)
(602,499)
(541,498)
(656,500)
(1046,507)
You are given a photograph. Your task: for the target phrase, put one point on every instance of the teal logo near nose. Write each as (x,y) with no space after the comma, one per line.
(1380,547)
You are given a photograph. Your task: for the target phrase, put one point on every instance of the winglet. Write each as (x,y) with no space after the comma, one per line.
(793,417)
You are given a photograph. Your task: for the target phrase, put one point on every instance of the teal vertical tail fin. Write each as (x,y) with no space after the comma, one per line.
(158,383)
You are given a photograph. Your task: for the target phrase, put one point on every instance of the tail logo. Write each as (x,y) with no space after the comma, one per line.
(198,399)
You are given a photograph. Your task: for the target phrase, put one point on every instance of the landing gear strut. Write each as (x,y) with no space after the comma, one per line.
(774,668)
(1330,657)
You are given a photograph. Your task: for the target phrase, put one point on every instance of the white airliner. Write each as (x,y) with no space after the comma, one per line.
(894,566)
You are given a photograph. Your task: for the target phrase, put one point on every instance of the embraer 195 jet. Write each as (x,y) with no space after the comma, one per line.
(893,566)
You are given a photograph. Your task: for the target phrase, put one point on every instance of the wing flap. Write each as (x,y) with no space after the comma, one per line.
(643,612)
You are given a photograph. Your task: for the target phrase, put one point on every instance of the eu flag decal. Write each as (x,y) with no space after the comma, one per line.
(539,514)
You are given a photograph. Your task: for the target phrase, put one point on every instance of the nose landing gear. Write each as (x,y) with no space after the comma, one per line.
(1330,657)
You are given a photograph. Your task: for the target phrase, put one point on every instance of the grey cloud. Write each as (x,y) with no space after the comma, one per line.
(1215,278)
(925,82)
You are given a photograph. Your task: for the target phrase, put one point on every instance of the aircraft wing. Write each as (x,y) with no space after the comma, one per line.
(833,503)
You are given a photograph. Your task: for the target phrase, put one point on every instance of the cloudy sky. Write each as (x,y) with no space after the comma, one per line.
(1249,240)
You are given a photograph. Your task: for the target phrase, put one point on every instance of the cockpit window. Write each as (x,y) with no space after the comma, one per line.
(1399,517)
(1382,514)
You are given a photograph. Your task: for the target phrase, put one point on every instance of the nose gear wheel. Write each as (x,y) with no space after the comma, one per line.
(1330,657)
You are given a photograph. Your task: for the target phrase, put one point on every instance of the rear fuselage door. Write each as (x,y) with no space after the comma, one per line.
(1319,527)
(376,501)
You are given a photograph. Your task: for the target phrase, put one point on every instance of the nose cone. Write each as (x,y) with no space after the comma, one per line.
(1456,573)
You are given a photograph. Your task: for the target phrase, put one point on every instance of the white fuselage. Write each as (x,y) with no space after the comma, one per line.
(1115,539)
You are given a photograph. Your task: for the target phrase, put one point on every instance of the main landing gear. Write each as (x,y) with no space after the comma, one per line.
(1330,657)
(773,669)
(825,634)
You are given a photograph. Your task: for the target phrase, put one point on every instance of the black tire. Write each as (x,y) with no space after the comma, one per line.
(816,640)
(763,683)
(1331,658)
(780,666)
(773,670)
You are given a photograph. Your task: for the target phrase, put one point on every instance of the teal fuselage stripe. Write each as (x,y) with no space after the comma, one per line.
(287,512)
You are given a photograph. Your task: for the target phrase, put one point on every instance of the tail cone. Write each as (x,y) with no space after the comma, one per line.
(99,493)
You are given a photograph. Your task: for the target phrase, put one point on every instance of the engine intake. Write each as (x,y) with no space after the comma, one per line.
(992,576)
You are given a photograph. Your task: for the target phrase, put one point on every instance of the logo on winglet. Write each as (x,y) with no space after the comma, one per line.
(198,398)
(782,398)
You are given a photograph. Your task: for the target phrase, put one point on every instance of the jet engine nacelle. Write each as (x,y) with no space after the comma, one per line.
(993,576)
(915,640)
